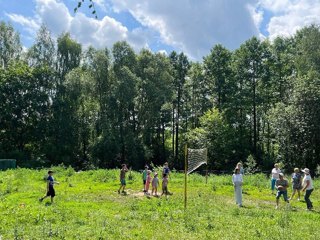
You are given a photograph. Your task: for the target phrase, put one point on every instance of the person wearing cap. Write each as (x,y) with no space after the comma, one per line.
(50,189)
(307,187)
(144,177)
(281,185)
(274,176)
(155,184)
(237,183)
(296,181)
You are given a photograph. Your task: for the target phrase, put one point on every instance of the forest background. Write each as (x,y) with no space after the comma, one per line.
(97,108)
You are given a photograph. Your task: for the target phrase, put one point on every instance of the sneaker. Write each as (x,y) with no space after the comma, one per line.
(298,199)
(277,207)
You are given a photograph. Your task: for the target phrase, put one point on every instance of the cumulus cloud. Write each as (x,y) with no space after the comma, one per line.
(54,14)
(290,16)
(194,26)
(29,24)
(86,30)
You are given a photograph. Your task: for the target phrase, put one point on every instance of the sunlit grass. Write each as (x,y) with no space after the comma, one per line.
(88,206)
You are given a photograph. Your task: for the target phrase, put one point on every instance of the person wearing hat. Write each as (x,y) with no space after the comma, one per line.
(281,185)
(296,181)
(50,190)
(307,187)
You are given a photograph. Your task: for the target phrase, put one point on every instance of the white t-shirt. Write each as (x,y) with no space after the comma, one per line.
(275,173)
(237,178)
(304,181)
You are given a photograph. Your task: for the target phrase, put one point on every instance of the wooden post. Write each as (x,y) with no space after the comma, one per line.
(185,175)
(207,165)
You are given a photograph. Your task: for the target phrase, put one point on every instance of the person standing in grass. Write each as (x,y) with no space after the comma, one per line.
(237,181)
(148,181)
(240,166)
(296,181)
(165,182)
(166,169)
(308,187)
(50,189)
(144,177)
(274,176)
(155,184)
(281,185)
(123,171)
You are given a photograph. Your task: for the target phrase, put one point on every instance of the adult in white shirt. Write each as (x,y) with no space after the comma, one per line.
(237,183)
(308,187)
(274,176)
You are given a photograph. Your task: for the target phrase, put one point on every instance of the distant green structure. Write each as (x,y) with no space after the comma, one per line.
(7,164)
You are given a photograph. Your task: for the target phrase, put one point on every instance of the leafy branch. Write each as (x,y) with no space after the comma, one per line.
(91,7)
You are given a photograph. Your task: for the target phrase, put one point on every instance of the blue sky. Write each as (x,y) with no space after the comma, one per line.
(191,26)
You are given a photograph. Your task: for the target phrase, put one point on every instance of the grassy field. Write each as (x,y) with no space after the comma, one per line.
(87,206)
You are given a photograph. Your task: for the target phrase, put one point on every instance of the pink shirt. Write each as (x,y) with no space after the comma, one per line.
(148,182)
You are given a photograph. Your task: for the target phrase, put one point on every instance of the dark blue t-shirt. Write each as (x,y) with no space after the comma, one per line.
(51,180)
(166,170)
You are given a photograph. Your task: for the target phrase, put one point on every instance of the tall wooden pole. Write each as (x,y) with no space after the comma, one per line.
(185,175)
(207,165)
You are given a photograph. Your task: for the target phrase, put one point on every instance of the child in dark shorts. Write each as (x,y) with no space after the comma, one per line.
(50,189)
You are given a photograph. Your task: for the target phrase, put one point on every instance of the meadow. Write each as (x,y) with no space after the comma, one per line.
(88,206)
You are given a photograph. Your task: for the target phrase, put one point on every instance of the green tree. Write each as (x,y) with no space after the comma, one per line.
(218,72)
(155,91)
(180,65)
(25,109)
(10,47)
(124,93)
(42,53)
(251,74)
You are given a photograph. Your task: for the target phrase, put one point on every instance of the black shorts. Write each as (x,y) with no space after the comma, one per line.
(144,182)
(51,192)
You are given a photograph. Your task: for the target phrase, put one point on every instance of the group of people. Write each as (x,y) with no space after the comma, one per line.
(147,179)
(278,183)
(299,184)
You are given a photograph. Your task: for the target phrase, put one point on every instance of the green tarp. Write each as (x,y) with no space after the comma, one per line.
(7,163)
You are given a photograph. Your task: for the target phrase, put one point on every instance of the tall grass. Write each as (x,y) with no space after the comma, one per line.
(88,206)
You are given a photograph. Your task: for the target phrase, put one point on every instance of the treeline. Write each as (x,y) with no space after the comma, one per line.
(258,104)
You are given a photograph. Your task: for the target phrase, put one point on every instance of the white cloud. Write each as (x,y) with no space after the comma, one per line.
(98,33)
(30,25)
(54,14)
(194,26)
(276,6)
(86,30)
(290,16)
